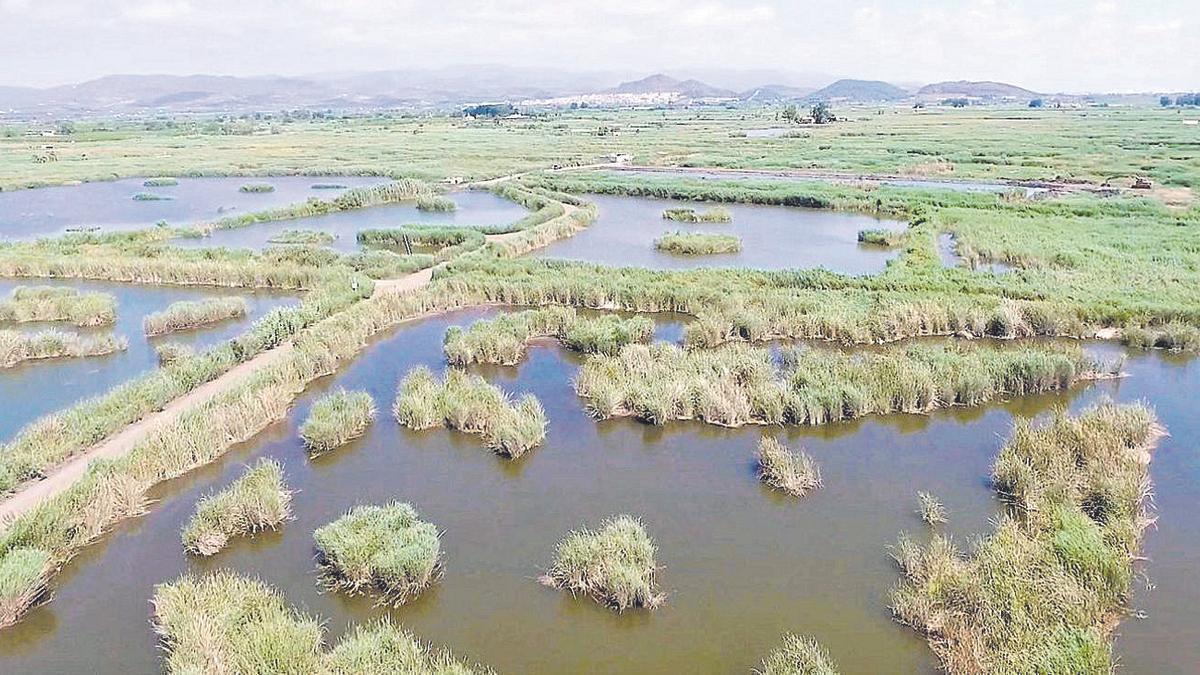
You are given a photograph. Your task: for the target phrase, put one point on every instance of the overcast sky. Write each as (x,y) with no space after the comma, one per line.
(1046,45)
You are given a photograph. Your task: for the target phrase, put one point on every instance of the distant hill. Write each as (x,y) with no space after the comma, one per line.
(660,83)
(984,90)
(859,91)
(769,93)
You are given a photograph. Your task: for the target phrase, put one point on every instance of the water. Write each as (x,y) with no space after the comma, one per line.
(475,207)
(946,246)
(741,564)
(109,205)
(61,382)
(773,237)
(916,183)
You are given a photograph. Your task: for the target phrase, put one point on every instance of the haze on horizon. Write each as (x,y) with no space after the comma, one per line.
(1044,45)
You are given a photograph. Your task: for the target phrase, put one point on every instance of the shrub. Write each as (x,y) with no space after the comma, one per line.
(469,404)
(614,565)
(187,315)
(436,203)
(336,419)
(799,655)
(698,243)
(383,548)
(256,501)
(794,472)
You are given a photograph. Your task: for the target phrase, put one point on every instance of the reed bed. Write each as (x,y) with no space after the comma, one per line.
(256,501)
(738,384)
(614,565)
(386,549)
(58,303)
(223,622)
(151,197)
(23,576)
(1174,336)
(448,242)
(336,419)
(257,188)
(793,471)
(170,352)
(714,214)
(164,181)
(881,237)
(1043,592)
(503,340)
(799,655)
(328,186)
(698,243)
(467,403)
(302,238)
(930,509)
(436,203)
(18,347)
(187,315)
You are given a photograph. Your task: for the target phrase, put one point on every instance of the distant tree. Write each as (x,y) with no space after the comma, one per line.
(821,114)
(1036,103)
(1164,101)
(791,114)
(956,102)
(490,110)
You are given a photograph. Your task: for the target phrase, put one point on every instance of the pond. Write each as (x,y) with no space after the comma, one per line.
(61,382)
(741,564)
(109,205)
(773,237)
(475,207)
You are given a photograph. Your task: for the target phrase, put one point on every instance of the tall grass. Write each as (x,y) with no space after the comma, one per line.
(223,622)
(503,340)
(715,214)
(336,419)
(738,384)
(18,347)
(302,237)
(58,303)
(794,472)
(436,203)
(698,243)
(881,237)
(1043,591)
(186,315)
(468,403)
(931,510)
(615,565)
(387,549)
(1173,336)
(23,574)
(256,501)
(799,655)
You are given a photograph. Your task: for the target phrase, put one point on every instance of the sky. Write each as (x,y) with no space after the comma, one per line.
(1045,45)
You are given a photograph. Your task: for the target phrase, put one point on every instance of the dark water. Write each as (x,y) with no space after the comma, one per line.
(773,237)
(742,565)
(109,205)
(475,207)
(950,258)
(917,183)
(60,382)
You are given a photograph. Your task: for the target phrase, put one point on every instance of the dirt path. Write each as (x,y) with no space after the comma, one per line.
(63,476)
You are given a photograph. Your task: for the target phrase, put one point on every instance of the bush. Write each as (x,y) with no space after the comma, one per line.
(256,501)
(336,419)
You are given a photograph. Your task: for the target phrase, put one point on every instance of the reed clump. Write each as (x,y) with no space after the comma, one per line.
(383,648)
(386,549)
(18,347)
(799,655)
(469,404)
(1173,336)
(302,238)
(930,509)
(503,340)
(881,237)
(186,315)
(257,188)
(614,565)
(256,501)
(23,576)
(58,303)
(714,214)
(1042,593)
(698,243)
(150,197)
(738,384)
(793,471)
(164,181)
(336,419)
(436,203)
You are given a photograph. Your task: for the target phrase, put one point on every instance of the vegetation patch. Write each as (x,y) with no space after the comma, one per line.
(151,197)
(436,203)
(503,340)
(799,655)
(1042,593)
(58,303)
(257,188)
(793,471)
(18,347)
(187,315)
(1174,336)
(468,403)
(615,565)
(881,237)
(930,509)
(738,384)
(23,575)
(386,549)
(714,214)
(302,237)
(698,243)
(328,186)
(256,501)
(164,181)
(336,419)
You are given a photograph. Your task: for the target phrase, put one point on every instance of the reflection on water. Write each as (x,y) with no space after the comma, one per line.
(109,205)
(61,382)
(742,564)
(773,237)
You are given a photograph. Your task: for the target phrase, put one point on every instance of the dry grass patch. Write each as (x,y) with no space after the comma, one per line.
(256,501)
(614,565)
